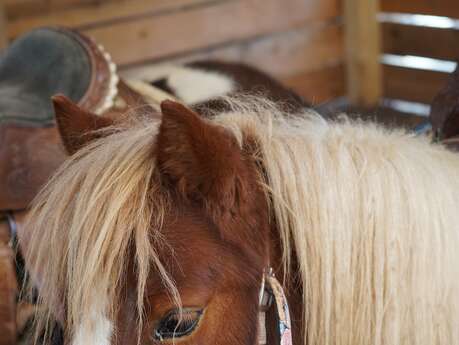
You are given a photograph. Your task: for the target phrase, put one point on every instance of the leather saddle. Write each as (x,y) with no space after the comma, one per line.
(36,66)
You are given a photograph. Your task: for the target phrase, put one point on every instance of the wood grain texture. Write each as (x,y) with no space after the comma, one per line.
(179,32)
(22,8)
(448,8)
(308,59)
(362,37)
(283,55)
(421,41)
(32,8)
(319,86)
(100,13)
(412,84)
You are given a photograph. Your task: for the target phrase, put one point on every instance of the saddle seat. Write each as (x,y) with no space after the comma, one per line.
(36,66)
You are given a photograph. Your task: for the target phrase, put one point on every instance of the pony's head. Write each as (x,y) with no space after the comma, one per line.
(158,231)
(151,232)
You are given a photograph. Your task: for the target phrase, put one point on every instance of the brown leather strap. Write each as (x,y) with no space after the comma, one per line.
(8,288)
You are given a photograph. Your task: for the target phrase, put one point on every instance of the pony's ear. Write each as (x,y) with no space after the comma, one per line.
(76,126)
(203,161)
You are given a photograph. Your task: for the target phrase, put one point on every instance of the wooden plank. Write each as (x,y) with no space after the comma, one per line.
(282,55)
(448,8)
(319,86)
(32,8)
(100,14)
(21,8)
(412,84)
(362,37)
(421,41)
(3,28)
(148,39)
(70,3)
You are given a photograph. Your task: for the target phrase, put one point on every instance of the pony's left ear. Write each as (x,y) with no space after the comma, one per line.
(76,126)
(203,161)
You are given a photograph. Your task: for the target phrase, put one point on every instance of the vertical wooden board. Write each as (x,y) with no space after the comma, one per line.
(148,38)
(447,8)
(362,34)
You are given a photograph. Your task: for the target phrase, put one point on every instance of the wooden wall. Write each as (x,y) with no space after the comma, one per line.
(411,83)
(298,41)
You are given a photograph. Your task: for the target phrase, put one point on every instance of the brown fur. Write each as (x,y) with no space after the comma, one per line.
(216,232)
(78,130)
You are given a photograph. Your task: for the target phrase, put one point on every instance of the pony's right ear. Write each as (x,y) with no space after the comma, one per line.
(76,126)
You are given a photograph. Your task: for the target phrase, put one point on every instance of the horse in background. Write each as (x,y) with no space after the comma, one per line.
(159,229)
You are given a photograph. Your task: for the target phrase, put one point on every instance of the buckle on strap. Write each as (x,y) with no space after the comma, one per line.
(272,291)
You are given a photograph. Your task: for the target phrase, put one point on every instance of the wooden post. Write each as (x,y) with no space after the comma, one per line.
(363,47)
(3,33)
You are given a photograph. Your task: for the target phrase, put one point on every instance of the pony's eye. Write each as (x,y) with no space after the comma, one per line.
(177,323)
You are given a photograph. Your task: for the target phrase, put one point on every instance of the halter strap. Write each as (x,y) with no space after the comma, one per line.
(271,290)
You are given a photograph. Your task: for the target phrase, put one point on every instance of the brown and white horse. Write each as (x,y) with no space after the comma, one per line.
(159,230)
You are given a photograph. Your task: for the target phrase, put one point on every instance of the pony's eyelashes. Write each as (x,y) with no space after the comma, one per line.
(177,323)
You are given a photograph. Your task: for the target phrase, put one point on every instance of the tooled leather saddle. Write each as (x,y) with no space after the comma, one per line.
(36,66)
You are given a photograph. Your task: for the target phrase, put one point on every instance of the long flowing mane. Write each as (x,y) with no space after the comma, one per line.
(88,221)
(370,216)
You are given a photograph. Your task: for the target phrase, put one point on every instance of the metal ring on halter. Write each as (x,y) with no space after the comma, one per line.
(266,296)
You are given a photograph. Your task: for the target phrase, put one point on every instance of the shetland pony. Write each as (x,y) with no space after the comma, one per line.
(159,231)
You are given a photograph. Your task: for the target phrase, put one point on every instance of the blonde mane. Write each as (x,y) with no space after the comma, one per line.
(370,214)
(88,221)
